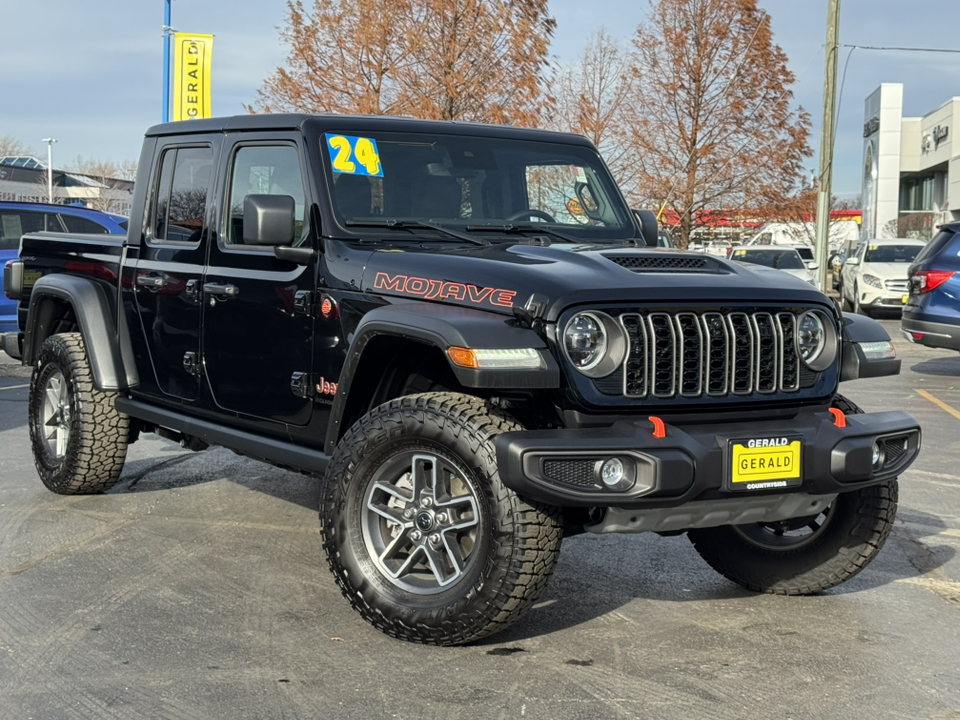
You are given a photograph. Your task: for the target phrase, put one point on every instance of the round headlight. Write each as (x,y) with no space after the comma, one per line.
(811,337)
(585,341)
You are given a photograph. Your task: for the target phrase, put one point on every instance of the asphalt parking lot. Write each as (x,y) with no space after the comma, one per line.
(197,589)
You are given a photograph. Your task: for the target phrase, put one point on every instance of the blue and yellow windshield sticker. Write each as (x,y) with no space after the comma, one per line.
(351,155)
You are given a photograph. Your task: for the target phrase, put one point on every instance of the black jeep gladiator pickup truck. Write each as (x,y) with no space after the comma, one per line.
(465,333)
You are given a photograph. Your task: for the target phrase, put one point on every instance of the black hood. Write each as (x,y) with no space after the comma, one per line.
(498,276)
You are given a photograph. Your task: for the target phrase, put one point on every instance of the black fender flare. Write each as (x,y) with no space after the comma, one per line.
(104,345)
(854,330)
(445,326)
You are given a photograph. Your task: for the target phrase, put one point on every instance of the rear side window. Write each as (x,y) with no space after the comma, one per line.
(14,223)
(77,224)
(934,247)
(180,203)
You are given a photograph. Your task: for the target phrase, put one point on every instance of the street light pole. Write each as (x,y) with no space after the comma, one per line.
(49,142)
(166,60)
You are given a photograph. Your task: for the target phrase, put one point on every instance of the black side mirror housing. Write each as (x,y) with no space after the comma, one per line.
(268,219)
(648,226)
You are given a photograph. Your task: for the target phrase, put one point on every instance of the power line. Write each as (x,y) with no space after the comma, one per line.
(902,49)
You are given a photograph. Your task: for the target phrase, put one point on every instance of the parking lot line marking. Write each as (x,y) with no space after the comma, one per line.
(939,403)
(14,387)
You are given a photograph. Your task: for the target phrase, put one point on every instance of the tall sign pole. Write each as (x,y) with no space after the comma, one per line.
(166,60)
(824,187)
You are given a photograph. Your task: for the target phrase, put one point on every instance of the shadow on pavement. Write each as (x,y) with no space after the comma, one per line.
(947,366)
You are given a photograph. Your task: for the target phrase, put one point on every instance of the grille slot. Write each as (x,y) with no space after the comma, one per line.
(718,354)
(662,263)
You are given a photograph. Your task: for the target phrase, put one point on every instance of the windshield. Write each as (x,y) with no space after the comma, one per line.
(779,259)
(892,253)
(476,184)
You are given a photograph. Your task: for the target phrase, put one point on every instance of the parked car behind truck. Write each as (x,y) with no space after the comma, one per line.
(412,312)
(17,218)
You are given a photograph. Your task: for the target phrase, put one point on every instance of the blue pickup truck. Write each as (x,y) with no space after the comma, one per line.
(19,218)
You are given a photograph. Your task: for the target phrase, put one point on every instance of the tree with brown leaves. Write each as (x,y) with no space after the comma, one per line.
(712,122)
(479,60)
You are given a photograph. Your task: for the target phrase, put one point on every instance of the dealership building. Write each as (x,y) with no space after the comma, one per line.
(911,167)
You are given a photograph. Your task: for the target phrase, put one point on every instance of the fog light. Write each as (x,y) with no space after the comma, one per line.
(878,456)
(611,472)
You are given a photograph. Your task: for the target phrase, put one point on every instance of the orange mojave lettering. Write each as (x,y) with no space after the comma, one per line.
(438,289)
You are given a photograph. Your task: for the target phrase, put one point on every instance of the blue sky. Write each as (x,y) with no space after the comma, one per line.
(90,73)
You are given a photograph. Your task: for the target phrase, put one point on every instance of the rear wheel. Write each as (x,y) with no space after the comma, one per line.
(805,555)
(422,536)
(79,439)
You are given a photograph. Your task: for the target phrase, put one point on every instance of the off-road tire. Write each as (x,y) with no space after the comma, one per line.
(858,524)
(517,541)
(97,435)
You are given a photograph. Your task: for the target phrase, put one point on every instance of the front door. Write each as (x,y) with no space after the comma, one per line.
(257,311)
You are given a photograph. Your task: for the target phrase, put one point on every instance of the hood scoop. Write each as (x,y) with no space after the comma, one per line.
(661,263)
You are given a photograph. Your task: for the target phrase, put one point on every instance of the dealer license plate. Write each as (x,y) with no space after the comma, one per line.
(905,298)
(30,278)
(766,463)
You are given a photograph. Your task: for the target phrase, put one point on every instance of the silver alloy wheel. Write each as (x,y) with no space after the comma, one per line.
(786,534)
(56,415)
(420,522)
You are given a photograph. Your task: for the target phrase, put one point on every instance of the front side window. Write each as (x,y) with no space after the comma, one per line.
(471,184)
(181,197)
(264,170)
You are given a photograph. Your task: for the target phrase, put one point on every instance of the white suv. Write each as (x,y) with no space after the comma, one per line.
(876,277)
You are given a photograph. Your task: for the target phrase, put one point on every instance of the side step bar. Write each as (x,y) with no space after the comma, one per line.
(254,446)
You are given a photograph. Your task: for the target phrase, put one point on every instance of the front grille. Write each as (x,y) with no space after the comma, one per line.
(900,286)
(717,354)
(894,449)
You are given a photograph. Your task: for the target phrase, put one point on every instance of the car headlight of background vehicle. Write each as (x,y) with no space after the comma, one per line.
(872,280)
(594,343)
(816,340)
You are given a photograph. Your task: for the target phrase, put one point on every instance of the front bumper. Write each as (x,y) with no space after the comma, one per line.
(12,344)
(694,462)
(881,298)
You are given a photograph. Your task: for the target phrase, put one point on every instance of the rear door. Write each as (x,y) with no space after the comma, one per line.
(257,313)
(169,270)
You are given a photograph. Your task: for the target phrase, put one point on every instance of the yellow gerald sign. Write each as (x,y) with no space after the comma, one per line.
(192,63)
(775,461)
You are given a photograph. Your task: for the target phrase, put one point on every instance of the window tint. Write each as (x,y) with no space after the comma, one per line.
(82,225)
(934,247)
(181,199)
(892,253)
(14,223)
(264,170)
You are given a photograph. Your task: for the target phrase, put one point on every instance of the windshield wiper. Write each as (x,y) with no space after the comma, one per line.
(527,229)
(414,224)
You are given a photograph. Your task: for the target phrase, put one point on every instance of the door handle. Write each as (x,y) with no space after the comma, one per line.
(221,290)
(154,282)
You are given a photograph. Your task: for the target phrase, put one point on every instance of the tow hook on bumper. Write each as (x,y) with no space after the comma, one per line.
(625,466)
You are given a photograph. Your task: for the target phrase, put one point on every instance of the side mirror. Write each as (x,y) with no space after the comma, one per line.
(813,266)
(268,219)
(852,261)
(648,226)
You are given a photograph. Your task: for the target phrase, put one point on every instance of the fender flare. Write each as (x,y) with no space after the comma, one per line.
(444,326)
(92,310)
(854,330)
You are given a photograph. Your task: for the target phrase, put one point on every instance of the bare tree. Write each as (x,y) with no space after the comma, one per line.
(711,122)
(450,59)
(589,99)
(11,147)
(105,175)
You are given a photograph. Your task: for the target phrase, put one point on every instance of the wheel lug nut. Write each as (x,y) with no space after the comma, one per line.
(441,517)
(408,513)
(426,501)
(416,535)
(435,539)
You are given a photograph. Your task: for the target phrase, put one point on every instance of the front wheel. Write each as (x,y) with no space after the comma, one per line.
(804,556)
(421,534)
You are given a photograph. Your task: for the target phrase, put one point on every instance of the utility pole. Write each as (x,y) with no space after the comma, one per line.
(827,132)
(49,142)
